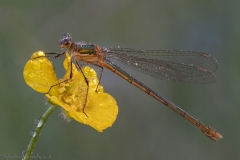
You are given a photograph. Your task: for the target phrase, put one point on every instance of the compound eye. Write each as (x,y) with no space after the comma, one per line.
(66,38)
(64,41)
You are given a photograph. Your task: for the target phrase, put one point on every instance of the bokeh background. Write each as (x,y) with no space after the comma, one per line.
(145,128)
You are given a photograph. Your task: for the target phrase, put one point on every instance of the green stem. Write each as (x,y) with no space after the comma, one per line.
(37,131)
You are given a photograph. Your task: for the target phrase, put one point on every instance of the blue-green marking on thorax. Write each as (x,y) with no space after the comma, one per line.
(86,49)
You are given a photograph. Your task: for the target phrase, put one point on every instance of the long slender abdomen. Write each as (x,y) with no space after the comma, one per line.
(208,131)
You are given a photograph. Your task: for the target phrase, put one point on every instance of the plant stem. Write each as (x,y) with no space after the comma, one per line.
(37,131)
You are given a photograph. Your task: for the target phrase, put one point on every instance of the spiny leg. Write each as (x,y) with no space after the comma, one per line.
(87,82)
(56,55)
(52,55)
(70,77)
(100,77)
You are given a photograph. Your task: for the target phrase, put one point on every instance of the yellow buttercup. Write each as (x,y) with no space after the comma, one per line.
(97,109)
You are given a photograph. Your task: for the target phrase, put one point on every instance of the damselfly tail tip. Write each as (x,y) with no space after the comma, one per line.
(215,136)
(211,133)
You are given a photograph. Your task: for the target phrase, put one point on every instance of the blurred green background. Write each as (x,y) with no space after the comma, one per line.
(145,128)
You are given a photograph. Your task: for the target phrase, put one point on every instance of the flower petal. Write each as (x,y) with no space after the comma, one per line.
(39,73)
(101,111)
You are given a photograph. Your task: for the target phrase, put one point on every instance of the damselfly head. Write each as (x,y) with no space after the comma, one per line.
(65,41)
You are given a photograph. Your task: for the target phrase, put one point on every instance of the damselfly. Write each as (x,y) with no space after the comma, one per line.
(168,65)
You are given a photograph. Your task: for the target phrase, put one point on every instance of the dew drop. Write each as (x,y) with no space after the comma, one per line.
(42,74)
(38,122)
(23,154)
(31,74)
(40,53)
(36,65)
(32,133)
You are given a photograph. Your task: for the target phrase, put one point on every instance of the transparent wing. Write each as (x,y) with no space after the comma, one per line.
(168,65)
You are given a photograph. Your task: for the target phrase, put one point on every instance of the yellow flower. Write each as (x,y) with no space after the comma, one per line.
(97,109)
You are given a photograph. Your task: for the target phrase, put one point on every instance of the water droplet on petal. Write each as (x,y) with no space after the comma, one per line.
(41,53)
(42,74)
(31,74)
(36,65)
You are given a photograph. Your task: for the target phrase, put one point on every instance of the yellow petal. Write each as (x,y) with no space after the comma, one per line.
(99,111)
(39,73)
